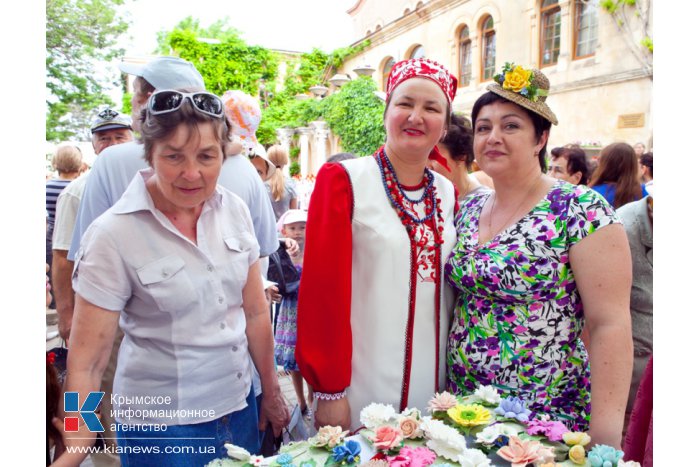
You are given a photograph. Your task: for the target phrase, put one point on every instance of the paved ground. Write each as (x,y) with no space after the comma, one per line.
(284,379)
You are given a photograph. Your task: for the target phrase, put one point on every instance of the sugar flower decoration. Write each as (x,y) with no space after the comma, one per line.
(577,454)
(444,440)
(399,461)
(257,461)
(375,463)
(573,438)
(604,456)
(236,452)
(469,415)
(474,458)
(348,453)
(490,434)
(553,430)
(628,464)
(513,407)
(419,456)
(387,438)
(442,402)
(410,427)
(375,415)
(520,452)
(285,459)
(328,436)
(488,395)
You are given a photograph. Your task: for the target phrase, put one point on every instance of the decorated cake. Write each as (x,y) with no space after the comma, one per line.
(479,430)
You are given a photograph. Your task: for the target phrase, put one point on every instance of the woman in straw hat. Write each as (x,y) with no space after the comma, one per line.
(536,259)
(373,311)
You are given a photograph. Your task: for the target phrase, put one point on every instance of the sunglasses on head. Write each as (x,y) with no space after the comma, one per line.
(169,100)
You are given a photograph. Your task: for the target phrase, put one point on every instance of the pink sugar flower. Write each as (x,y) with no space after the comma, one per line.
(442,402)
(420,456)
(519,452)
(553,430)
(386,438)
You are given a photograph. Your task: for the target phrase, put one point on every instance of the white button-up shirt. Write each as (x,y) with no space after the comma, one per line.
(183,319)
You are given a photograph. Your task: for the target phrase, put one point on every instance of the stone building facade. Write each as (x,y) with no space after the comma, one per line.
(601,78)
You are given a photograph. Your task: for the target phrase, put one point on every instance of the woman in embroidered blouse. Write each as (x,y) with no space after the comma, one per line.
(534,260)
(373,310)
(175,264)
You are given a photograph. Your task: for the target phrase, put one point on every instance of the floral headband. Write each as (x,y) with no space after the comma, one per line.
(527,88)
(423,68)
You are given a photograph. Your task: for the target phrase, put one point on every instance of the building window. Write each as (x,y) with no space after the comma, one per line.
(465,56)
(488,49)
(585,28)
(417,52)
(385,72)
(550,37)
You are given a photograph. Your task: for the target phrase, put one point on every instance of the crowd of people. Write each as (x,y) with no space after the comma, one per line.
(462,253)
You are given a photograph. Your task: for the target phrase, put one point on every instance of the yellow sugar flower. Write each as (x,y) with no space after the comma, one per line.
(517,79)
(469,415)
(577,454)
(573,438)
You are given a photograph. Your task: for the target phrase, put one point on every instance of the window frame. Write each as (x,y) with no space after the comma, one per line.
(547,12)
(485,34)
(578,10)
(466,42)
(385,72)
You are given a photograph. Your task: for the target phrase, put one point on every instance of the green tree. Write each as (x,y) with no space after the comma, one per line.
(632,18)
(79,35)
(356,115)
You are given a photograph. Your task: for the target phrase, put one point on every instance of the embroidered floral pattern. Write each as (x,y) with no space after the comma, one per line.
(519,316)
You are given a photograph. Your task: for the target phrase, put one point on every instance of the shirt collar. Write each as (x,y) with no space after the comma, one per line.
(137,198)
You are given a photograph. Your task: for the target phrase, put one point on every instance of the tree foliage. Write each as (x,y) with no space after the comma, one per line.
(627,12)
(226,62)
(79,35)
(355,114)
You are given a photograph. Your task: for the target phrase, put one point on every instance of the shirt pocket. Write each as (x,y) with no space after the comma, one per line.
(167,282)
(238,258)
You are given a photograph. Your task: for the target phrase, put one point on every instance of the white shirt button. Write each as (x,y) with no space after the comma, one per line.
(221,299)
(222,325)
(210,268)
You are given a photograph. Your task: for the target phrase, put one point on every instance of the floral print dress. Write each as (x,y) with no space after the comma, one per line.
(518,317)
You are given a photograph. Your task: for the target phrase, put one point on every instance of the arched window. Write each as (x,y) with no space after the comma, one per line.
(488,49)
(585,28)
(465,56)
(550,32)
(417,52)
(385,72)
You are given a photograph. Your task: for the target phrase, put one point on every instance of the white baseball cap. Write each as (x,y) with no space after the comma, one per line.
(166,73)
(290,217)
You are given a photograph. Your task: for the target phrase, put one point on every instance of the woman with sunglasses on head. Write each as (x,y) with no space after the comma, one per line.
(175,263)
(373,310)
(536,259)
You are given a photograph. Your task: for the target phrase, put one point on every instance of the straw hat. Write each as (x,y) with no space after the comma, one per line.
(527,88)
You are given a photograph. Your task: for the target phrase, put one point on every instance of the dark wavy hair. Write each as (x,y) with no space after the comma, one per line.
(540,123)
(618,166)
(459,139)
(647,160)
(158,127)
(576,161)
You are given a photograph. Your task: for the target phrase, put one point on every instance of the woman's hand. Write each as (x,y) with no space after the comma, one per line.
(273,409)
(333,413)
(291,246)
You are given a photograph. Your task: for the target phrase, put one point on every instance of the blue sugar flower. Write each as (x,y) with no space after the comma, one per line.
(501,441)
(604,456)
(348,453)
(285,459)
(513,407)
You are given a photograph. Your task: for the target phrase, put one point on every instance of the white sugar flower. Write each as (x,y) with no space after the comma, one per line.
(488,394)
(474,458)
(489,434)
(376,415)
(257,461)
(444,440)
(628,464)
(236,452)
(412,413)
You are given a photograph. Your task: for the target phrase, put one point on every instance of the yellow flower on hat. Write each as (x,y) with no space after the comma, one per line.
(517,79)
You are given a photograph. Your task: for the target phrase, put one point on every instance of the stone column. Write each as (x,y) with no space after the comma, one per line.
(304,134)
(319,155)
(284,136)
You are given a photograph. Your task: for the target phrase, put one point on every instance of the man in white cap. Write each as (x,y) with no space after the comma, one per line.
(117,166)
